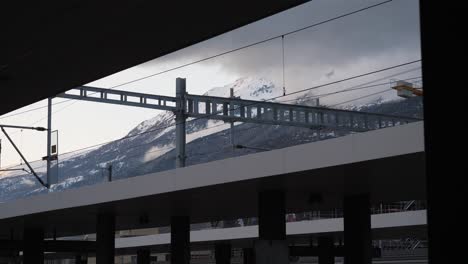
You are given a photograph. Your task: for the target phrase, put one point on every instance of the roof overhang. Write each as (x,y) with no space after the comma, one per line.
(48,47)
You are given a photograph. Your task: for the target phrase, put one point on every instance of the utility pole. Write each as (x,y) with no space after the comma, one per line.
(49,140)
(180,119)
(109,173)
(231,112)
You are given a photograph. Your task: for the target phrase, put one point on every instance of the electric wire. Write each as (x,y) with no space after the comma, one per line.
(256,43)
(361,97)
(223,53)
(233,109)
(320,96)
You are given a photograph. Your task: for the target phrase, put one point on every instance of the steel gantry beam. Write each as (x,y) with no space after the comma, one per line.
(101,95)
(249,111)
(240,110)
(234,109)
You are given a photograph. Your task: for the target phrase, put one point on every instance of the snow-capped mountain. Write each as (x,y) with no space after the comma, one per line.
(248,88)
(149,140)
(149,147)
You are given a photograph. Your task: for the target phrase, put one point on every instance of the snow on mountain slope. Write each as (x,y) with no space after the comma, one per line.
(248,88)
(149,140)
(149,146)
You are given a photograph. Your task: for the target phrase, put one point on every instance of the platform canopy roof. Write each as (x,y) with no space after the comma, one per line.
(48,47)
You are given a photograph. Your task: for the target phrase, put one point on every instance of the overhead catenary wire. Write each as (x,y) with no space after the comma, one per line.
(328,94)
(313,87)
(100,144)
(361,97)
(256,43)
(224,53)
(118,150)
(144,144)
(380,79)
(32,110)
(261,125)
(234,108)
(208,128)
(346,90)
(313,96)
(238,146)
(347,79)
(41,119)
(284,94)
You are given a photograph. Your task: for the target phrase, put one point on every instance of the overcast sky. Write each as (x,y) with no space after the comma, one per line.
(377,38)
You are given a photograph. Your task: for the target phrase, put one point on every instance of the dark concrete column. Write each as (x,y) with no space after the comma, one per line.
(81,259)
(271,215)
(143,256)
(357,230)
(325,246)
(180,240)
(446,187)
(272,247)
(223,253)
(9,256)
(248,255)
(105,237)
(33,246)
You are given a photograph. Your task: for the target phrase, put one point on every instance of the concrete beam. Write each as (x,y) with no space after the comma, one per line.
(314,251)
(291,169)
(52,245)
(385,226)
(69,246)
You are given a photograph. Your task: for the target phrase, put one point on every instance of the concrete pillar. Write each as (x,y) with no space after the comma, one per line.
(180,118)
(445,188)
(180,240)
(248,256)
(271,215)
(357,230)
(325,245)
(9,256)
(81,259)
(272,247)
(105,237)
(223,253)
(33,246)
(143,256)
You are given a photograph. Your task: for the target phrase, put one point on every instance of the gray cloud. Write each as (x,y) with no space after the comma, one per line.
(381,36)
